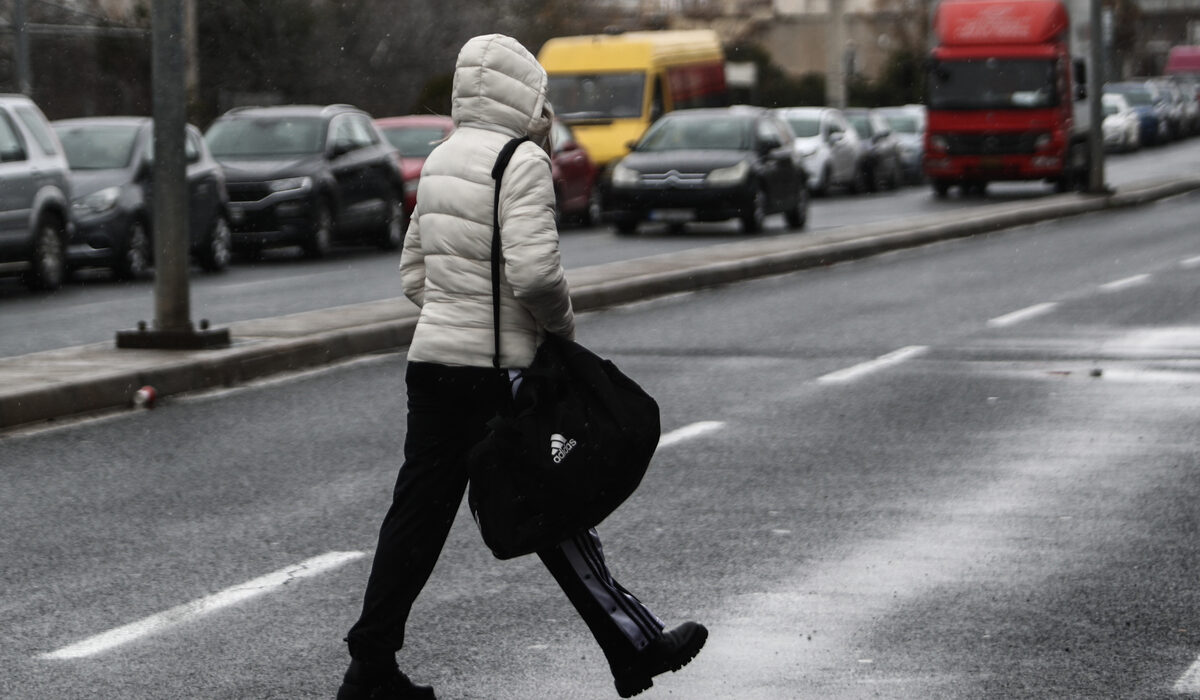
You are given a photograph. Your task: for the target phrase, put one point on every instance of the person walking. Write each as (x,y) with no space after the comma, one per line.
(499,93)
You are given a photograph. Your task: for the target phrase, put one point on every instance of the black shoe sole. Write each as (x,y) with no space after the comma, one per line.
(629,686)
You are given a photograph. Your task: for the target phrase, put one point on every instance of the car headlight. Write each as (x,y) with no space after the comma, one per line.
(289,184)
(97,202)
(625,177)
(729,176)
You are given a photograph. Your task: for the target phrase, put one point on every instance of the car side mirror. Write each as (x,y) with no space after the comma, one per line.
(340,148)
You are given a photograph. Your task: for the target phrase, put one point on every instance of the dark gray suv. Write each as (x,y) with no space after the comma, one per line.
(308,176)
(35,195)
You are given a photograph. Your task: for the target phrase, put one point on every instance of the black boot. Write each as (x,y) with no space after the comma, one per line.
(380,681)
(670,652)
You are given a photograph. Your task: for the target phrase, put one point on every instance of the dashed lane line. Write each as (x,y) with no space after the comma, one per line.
(1190,262)
(1022,315)
(187,612)
(1125,283)
(1189,682)
(688,432)
(892,358)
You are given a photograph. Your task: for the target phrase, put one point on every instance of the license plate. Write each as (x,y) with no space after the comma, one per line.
(672,215)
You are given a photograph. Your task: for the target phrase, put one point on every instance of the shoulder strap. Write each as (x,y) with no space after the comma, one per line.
(506,154)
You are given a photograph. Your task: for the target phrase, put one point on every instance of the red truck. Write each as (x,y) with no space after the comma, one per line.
(1005,99)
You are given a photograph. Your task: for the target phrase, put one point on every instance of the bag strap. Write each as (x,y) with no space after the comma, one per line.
(506,154)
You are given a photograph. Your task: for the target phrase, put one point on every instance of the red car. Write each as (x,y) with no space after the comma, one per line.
(414,137)
(574,177)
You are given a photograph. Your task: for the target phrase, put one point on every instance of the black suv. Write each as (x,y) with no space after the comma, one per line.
(35,195)
(308,176)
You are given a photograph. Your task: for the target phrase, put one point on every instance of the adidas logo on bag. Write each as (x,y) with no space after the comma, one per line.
(560,447)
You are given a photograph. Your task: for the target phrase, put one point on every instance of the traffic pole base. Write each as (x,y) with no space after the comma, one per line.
(146,339)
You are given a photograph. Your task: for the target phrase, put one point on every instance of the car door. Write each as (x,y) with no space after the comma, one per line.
(573,177)
(778,172)
(204,181)
(835,137)
(351,165)
(18,185)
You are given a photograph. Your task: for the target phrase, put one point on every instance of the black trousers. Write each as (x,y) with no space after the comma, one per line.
(448,408)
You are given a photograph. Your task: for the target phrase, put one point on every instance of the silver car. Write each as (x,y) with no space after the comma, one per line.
(830,148)
(35,195)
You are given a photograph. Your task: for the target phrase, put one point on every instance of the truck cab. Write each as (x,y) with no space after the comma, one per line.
(1006,101)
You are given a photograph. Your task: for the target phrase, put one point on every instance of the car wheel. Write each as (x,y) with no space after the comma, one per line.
(47,261)
(217,251)
(320,239)
(625,226)
(797,216)
(752,220)
(595,210)
(393,232)
(134,261)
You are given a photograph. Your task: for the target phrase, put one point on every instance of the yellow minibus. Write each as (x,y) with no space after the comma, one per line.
(610,87)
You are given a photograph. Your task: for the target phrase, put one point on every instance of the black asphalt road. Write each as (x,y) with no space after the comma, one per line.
(962,471)
(94,307)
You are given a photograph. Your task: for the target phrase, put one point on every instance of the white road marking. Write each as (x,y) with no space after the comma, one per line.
(202,606)
(1125,283)
(1022,315)
(1190,262)
(688,432)
(1189,682)
(859,370)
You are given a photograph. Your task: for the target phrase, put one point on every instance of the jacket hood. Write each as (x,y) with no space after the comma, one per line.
(500,86)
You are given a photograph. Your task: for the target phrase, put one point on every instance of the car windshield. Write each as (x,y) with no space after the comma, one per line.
(993,83)
(861,124)
(1137,96)
(599,96)
(414,141)
(805,127)
(106,147)
(266,137)
(690,133)
(903,123)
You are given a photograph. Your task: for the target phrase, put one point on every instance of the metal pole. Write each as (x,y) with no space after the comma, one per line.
(835,82)
(172,304)
(21,28)
(1095,89)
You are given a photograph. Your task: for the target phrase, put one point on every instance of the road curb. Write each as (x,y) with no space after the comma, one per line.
(62,383)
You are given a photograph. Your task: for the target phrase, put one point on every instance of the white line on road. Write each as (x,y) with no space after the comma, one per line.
(1190,262)
(200,607)
(689,431)
(1021,315)
(1189,682)
(892,358)
(1124,283)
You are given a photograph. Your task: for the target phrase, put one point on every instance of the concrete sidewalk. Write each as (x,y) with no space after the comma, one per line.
(59,383)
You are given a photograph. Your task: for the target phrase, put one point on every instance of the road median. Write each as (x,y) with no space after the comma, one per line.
(57,384)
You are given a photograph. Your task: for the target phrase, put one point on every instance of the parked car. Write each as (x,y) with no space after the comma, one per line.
(710,164)
(1155,129)
(881,149)
(908,125)
(575,192)
(111,161)
(1122,128)
(414,137)
(310,176)
(35,195)
(829,147)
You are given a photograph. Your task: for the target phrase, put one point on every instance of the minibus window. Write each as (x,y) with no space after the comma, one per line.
(598,96)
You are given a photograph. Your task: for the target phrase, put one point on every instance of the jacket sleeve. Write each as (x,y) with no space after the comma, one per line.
(529,239)
(412,262)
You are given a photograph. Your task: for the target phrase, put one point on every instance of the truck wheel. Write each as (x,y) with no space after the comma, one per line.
(941,188)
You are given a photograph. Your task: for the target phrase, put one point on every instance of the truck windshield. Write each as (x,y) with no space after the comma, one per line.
(993,83)
(599,96)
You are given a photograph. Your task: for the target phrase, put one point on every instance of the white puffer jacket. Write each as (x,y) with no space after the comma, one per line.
(499,93)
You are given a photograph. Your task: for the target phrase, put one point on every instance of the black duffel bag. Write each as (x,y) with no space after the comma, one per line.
(575,445)
(571,444)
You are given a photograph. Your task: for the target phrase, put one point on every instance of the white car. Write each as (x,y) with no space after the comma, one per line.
(1121,124)
(831,150)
